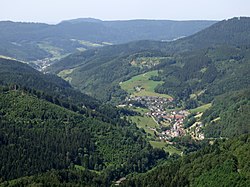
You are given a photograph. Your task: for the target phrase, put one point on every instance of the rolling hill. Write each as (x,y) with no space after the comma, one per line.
(33,41)
(46,126)
(54,135)
(209,63)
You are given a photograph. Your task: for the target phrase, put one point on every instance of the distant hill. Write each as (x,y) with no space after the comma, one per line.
(80,20)
(51,134)
(211,62)
(32,41)
(234,31)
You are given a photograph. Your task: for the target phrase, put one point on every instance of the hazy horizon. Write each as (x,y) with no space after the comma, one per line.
(47,11)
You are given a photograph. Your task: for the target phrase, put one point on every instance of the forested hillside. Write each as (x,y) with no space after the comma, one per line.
(194,65)
(46,124)
(229,115)
(33,41)
(144,113)
(17,73)
(206,73)
(53,89)
(220,164)
(37,136)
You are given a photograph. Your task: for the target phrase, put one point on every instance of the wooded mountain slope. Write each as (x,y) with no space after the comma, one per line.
(205,62)
(37,136)
(221,164)
(32,41)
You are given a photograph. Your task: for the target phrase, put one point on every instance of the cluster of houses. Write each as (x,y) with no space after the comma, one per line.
(176,120)
(42,64)
(173,120)
(153,103)
(196,131)
(157,107)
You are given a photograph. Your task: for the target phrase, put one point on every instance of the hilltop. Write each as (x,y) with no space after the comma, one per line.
(38,41)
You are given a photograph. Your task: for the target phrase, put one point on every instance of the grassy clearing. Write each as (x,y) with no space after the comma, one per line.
(6,57)
(146,86)
(65,74)
(54,51)
(201,108)
(145,122)
(78,167)
(166,147)
(140,110)
(148,61)
(81,168)
(89,44)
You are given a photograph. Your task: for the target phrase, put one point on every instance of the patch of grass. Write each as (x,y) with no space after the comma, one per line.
(146,86)
(89,44)
(65,74)
(165,146)
(54,51)
(148,61)
(145,122)
(80,167)
(201,108)
(140,110)
(81,49)
(6,57)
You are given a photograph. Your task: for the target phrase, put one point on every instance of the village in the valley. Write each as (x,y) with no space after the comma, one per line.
(170,122)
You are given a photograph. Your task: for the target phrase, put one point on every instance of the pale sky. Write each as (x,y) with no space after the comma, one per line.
(54,11)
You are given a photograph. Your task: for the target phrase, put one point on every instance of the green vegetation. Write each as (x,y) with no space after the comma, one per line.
(16,73)
(65,74)
(201,109)
(148,61)
(146,123)
(41,136)
(66,177)
(141,85)
(54,135)
(203,66)
(229,115)
(140,110)
(21,40)
(221,164)
(166,147)
(40,132)
(90,44)
(54,51)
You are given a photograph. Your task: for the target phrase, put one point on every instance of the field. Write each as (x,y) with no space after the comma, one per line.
(54,51)
(168,148)
(145,122)
(65,74)
(140,110)
(148,61)
(145,86)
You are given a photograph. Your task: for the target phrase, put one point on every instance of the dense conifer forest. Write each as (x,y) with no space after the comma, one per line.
(70,125)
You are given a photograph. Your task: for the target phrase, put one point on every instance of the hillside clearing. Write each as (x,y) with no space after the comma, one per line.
(140,85)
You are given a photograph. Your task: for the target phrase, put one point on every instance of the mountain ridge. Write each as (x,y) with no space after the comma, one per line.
(32,41)
(94,66)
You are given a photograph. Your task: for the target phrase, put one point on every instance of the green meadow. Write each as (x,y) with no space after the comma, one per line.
(147,87)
